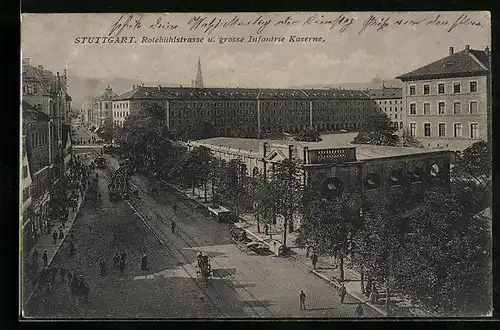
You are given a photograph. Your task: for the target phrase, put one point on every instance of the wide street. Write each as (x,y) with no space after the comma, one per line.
(243,285)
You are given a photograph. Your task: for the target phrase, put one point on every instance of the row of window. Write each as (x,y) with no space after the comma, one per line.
(457,130)
(441,108)
(395,109)
(390,102)
(456,88)
(264,103)
(117,105)
(120,114)
(39,139)
(242,112)
(395,178)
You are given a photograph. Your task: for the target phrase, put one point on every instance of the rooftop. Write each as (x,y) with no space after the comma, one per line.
(386,93)
(464,63)
(363,151)
(142,92)
(30,113)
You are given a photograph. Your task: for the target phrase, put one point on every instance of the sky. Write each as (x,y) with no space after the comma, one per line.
(347,56)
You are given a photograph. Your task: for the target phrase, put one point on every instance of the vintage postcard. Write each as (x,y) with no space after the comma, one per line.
(255,165)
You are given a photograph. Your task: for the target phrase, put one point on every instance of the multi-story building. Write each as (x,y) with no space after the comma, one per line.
(37,154)
(49,94)
(251,112)
(368,171)
(102,106)
(448,102)
(390,101)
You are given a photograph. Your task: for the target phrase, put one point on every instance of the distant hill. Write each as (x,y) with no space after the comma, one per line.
(84,89)
(374,84)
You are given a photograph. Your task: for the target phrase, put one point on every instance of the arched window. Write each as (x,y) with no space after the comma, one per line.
(255,172)
(395,177)
(415,175)
(372,181)
(400,125)
(332,187)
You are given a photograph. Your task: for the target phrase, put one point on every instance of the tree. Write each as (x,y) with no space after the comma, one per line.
(377,130)
(147,141)
(265,201)
(447,263)
(378,243)
(107,130)
(195,129)
(408,140)
(217,175)
(327,224)
(234,186)
(287,184)
(308,136)
(474,163)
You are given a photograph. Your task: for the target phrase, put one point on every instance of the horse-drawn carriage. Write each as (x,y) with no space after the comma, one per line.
(79,286)
(204,267)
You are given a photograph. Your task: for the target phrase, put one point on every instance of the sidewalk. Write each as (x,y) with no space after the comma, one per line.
(46,243)
(326,269)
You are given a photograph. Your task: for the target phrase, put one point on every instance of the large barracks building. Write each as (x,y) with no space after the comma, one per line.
(253,111)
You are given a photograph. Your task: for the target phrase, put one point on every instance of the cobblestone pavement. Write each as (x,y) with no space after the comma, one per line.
(243,285)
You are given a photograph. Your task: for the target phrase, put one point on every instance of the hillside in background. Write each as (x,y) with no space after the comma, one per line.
(374,84)
(84,89)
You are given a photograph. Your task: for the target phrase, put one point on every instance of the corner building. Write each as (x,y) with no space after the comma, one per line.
(448,102)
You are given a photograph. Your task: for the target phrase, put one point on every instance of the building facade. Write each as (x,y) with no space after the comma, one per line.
(46,117)
(390,102)
(251,112)
(368,171)
(102,107)
(36,168)
(448,102)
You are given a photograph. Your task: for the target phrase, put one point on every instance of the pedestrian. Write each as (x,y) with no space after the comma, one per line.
(173,227)
(54,272)
(116,259)
(314,260)
(122,266)
(359,311)
(123,256)
(71,248)
(61,233)
(374,295)
(70,277)
(35,257)
(72,235)
(45,258)
(342,292)
(175,208)
(62,274)
(302,298)
(102,265)
(144,262)
(368,289)
(54,237)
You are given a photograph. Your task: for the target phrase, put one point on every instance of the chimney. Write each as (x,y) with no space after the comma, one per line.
(159,88)
(451,50)
(26,61)
(467,48)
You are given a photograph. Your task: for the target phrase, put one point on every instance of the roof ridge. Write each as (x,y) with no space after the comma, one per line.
(477,60)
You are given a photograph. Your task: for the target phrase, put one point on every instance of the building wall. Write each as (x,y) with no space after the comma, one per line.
(245,117)
(449,118)
(394,109)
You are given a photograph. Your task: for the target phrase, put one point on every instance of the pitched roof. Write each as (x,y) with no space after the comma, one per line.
(30,113)
(386,93)
(180,93)
(463,63)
